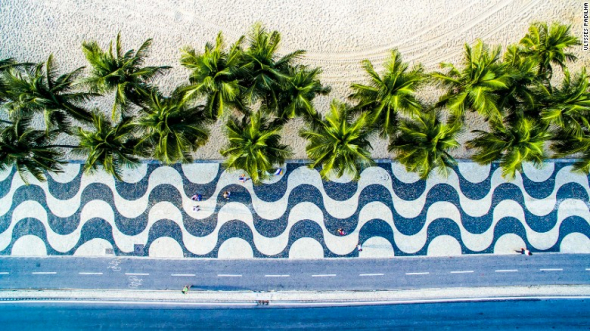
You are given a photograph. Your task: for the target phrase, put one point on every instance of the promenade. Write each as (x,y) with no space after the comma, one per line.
(294,215)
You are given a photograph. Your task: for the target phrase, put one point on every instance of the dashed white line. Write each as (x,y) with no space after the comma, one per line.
(552,269)
(276,275)
(370,275)
(417,273)
(4,273)
(324,275)
(507,270)
(44,273)
(182,275)
(228,275)
(90,273)
(136,274)
(587,269)
(462,272)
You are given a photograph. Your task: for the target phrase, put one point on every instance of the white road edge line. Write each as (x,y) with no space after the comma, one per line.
(462,272)
(276,275)
(44,273)
(136,274)
(228,275)
(507,270)
(369,275)
(553,269)
(587,269)
(417,273)
(182,275)
(90,273)
(324,275)
(6,273)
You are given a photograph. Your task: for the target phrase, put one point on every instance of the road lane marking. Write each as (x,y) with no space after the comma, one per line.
(90,273)
(136,274)
(370,275)
(44,273)
(417,273)
(507,270)
(4,273)
(324,275)
(228,275)
(276,275)
(182,275)
(554,269)
(587,269)
(462,272)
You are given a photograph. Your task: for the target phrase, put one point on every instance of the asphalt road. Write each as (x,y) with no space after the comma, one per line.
(561,314)
(267,275)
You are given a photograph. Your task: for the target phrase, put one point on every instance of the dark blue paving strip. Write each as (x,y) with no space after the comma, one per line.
(6,183)
(29,226)
(96,228)
(476,191)
(275,191)
(163,228)
(235,229)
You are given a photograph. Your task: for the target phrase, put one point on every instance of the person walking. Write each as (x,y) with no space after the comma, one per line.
(185,289)
(226,195)
(359,247)
(341,231)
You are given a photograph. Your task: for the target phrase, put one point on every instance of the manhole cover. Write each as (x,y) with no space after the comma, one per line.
(138,249)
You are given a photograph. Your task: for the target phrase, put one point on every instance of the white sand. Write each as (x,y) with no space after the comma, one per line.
(336,34)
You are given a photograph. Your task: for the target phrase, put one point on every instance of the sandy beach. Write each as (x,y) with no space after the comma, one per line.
(337,35)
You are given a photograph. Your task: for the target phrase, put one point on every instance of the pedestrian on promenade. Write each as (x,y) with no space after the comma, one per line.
(359,247)
(196,197)
(243,178)
(341,231)
(185,289)
(226,195)
(196,208)
(524,251)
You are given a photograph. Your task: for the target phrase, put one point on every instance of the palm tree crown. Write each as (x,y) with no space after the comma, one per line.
(296,97)
(215,75)
(423,144)
(475,86)
(254,146)
(341,144)
(547,45)
(107,145)
(120,71)
(568,107)
(390,93)
(171,128)
(29,150)
(512,144)
(264,72)
(38,89)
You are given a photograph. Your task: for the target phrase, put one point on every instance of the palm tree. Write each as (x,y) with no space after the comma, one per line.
(254,146)
(548,44)
(389,94)
(568,107)
(215,75)
(565,144)
(109,146)
(37,89)
(296,98)
(423,144)
(264,72)
(476,85)
(512,143)
(171,128)
(520,96)
(341,144)
(29,150)
(121,72)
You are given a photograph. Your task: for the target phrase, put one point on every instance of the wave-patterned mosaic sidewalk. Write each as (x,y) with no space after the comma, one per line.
(296,214)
